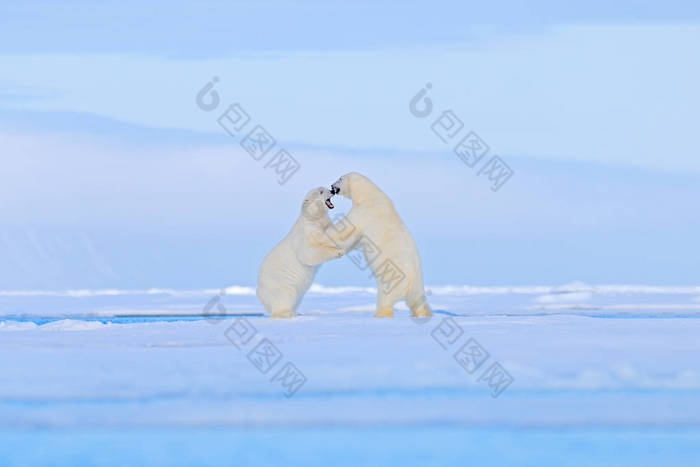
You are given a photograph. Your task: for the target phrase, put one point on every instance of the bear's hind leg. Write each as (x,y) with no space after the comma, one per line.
(282,312)
(283,304)
(419,307)
(385,306)
(421,310)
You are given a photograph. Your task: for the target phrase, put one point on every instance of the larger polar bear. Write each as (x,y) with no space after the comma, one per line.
(374,226)
(287,271)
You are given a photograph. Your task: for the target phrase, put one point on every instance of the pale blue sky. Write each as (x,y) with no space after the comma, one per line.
(113,177)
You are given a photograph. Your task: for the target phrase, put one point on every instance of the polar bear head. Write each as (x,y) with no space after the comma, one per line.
(354,186)
(316,203)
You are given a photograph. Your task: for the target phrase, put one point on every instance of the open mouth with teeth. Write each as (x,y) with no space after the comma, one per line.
(334,191)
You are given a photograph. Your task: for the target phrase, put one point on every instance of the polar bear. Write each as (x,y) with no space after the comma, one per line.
(287,271)
(374,225)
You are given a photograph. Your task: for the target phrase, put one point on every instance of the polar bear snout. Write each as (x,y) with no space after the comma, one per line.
(316,203)
(335,188)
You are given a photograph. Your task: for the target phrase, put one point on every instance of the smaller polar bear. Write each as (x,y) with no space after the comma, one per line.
(374,225)
(287,271)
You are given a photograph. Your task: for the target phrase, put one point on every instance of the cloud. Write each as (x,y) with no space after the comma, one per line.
(88,210)
(582,92)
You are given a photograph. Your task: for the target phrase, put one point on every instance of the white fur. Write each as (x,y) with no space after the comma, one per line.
(373,221)
(287,271)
